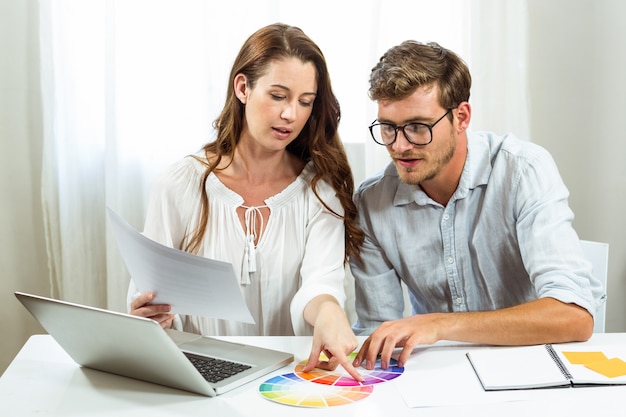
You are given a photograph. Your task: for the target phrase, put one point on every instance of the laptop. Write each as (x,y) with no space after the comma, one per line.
(139,348)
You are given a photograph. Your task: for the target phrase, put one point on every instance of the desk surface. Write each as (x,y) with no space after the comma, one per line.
(42,380)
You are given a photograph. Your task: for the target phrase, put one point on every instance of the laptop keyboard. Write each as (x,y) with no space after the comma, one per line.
(213,369)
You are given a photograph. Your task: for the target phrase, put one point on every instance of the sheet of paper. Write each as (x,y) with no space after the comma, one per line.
(597,361)
(191,284)
(610,368)
(581,358)
(594,364)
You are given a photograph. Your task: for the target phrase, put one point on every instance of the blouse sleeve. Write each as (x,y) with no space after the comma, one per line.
(174,204)
(322,270)
(174,201)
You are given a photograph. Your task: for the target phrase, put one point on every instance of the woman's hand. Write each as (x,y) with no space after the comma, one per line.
(141,306)
(332,335)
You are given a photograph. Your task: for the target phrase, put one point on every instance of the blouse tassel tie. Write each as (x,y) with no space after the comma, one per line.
(250,253)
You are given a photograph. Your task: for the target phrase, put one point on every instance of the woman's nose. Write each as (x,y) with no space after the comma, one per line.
(289,112)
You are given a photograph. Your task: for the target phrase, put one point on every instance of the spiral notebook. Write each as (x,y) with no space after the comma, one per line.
(548,366)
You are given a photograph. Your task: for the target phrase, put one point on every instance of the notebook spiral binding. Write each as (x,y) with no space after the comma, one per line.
(559,363)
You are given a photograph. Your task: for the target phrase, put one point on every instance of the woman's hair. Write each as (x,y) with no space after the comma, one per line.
(318,141)
(405,67)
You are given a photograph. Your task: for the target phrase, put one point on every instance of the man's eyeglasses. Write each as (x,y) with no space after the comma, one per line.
(416,133)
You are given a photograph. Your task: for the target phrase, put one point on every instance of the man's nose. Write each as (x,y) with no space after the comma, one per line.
(401,143)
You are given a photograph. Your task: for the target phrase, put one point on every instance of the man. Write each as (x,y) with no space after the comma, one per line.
(476,225)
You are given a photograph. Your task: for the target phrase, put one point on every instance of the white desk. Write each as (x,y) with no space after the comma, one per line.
(42,380)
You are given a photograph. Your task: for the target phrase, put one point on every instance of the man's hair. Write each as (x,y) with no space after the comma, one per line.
(411,64)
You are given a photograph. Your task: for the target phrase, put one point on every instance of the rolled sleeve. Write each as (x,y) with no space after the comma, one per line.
(549,245)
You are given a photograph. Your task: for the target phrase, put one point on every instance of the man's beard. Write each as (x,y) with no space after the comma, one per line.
(430,166)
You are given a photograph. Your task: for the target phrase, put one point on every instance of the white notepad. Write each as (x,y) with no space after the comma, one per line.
(546,366)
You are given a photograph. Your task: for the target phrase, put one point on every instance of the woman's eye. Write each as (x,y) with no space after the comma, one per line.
(277,97)
(306,103)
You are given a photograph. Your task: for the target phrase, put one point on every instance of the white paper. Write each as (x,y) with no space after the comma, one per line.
(191,284)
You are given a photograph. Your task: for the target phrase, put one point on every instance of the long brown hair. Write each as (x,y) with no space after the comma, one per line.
(319,140)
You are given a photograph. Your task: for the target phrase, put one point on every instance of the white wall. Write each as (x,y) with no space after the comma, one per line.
(23,260)
(577,90)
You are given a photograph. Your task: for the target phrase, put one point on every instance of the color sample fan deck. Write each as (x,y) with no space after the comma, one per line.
(289,389)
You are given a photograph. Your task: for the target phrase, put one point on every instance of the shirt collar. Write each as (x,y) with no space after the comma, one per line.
(476,172)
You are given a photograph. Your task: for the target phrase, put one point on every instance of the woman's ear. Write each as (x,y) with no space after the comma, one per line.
(241,88)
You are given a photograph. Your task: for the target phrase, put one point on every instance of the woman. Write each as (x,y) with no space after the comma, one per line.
(273,196)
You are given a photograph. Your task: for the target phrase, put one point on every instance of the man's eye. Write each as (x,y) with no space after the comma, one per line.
(387,129)
(415,128)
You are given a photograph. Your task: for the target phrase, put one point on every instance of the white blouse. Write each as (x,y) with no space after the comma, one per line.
(298,257)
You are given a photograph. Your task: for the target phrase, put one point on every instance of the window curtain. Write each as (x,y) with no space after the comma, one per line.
(131,86)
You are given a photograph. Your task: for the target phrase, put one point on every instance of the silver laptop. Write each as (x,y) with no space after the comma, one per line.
(139,348)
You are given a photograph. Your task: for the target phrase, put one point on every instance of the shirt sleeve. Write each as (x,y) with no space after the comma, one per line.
(322,270)
(378,291)
(549,245)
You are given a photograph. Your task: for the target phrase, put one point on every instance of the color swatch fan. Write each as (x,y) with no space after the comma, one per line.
(322,388)
(289,389)
(339,377)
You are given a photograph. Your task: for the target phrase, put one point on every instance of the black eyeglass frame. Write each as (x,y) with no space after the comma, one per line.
(396,128)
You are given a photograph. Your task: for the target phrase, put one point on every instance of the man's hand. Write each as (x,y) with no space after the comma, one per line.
(406,333)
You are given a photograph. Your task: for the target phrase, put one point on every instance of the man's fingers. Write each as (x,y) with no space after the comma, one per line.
(360,356)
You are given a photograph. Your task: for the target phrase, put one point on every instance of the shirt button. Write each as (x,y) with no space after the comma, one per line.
(459,300)
(446,216)
(450,260)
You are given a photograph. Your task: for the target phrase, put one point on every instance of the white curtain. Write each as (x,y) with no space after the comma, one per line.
(130,86)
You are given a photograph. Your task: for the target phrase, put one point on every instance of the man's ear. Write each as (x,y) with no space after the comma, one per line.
(464,115)
(241,88)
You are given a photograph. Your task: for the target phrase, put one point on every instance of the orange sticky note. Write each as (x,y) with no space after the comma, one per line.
(610,368)
(582,358)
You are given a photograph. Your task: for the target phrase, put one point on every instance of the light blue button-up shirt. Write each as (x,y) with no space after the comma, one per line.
(504,238)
